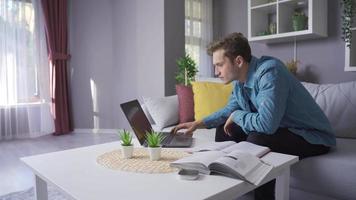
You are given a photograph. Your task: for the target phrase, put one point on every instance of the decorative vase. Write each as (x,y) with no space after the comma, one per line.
(299,22)
(127,151)
(272,28)
(155,153)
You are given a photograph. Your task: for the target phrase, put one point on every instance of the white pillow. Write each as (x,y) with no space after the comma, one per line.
(164,110)
(147,113)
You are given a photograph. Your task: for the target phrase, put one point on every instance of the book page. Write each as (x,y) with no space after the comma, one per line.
(214,146)
(230,146)
(240,161)
(198,161)
(257,175)
(241,165)
(251,148)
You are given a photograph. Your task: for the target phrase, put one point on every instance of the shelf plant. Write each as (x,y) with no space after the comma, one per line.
(154,140)
(348,12)
(126,143)
(299,21)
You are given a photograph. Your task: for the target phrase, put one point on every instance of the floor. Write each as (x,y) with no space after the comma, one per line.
(16,176)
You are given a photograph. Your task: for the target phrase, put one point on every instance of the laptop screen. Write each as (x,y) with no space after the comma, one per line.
(137,119)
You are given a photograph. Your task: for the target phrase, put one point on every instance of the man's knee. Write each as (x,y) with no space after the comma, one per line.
(220,135)
(259,139)
(237,134)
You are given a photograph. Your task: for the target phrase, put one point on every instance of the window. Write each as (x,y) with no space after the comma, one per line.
(193,21)
(18,57)
(198,33)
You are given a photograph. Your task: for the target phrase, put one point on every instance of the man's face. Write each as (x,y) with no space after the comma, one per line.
(224,68)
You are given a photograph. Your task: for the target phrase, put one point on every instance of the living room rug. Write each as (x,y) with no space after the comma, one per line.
(29,194)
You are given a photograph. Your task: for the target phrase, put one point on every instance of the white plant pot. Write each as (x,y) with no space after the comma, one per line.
(127,151)
(155,153)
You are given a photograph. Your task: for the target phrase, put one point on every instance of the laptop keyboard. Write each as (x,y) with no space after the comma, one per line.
(168,138)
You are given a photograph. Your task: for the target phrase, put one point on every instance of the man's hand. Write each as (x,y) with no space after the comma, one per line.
(190,126)
(228,125)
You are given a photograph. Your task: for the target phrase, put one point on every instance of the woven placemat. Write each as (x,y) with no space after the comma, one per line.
(140,162)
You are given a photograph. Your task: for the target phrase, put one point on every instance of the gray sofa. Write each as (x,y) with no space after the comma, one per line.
(331,176)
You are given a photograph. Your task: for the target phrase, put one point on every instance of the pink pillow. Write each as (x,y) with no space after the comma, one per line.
(186,103)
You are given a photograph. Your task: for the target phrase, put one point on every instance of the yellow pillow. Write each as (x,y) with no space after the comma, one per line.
(209,97)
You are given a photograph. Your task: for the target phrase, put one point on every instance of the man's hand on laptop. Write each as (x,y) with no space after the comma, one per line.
(189,126)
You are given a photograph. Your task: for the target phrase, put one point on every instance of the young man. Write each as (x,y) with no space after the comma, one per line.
(268,106)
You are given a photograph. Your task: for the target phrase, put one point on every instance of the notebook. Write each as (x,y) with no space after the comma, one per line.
(140,126)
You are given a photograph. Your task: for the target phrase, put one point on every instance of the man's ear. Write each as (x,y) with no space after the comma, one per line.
(239,60)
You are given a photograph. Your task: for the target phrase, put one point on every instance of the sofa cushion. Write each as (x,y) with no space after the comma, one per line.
(338,101)
(164,110)
(332,174)
(209,97)
(186,103)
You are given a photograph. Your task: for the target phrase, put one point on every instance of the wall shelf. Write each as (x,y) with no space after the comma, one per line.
(263,13)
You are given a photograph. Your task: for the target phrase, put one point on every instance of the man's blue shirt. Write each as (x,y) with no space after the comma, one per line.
(273,98)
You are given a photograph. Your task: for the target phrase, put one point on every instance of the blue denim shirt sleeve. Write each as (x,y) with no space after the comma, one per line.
(220,116)
(271,100)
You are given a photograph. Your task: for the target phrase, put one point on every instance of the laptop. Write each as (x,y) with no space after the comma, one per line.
(140,125)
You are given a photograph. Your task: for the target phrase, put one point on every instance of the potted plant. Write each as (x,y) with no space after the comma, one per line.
(187,69)
(299,20)
(154,140)
(126,144)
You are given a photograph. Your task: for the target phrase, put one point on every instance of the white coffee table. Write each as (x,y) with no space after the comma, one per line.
(76,173)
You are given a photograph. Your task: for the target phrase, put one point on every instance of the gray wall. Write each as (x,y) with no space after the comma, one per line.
(124,47)
(174,41)
(322,60)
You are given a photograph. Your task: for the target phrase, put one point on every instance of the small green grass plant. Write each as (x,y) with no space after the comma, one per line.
(154,139)
(126,138)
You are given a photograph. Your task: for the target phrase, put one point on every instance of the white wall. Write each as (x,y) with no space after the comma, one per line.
(91,48)
(120,45)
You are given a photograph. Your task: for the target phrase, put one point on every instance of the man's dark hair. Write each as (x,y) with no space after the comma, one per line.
(234,45)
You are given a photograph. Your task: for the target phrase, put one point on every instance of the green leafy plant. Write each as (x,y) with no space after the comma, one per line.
(348,12)
(154,139)
(126,138)
(187,69)
(299,20)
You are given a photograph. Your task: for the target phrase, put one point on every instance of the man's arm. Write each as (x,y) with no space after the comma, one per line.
(271,99)
(220,116)
(212,120)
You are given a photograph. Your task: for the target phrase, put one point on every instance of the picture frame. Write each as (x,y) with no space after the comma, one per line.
(350,52)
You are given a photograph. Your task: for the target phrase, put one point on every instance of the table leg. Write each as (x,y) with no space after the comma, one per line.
(282,185)
(41,192)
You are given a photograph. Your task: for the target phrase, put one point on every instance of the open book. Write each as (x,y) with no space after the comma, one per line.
(237,160)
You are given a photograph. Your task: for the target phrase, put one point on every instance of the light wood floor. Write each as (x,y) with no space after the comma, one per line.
(15,175)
